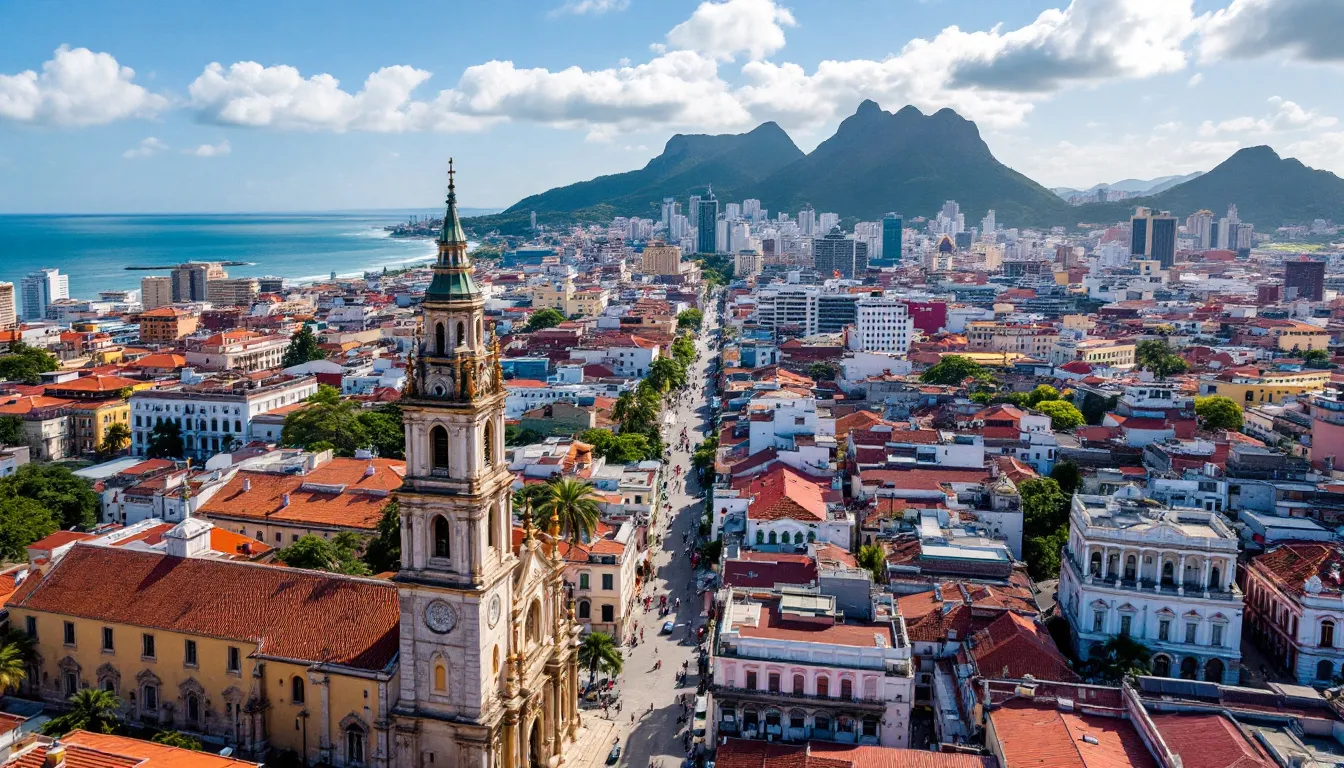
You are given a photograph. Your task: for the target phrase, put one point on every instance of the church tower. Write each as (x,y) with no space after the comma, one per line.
(487,664)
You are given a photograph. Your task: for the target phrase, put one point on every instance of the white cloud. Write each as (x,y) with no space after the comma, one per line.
(595,7)
(1287,116)
(1195,80)
(725,29)
(1324,150)
(146,148)
(1309,30)
(210,150)
(76,87)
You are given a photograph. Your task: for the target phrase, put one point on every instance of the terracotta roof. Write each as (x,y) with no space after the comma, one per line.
(338,494)
(785,494)
(98,750)
(59,539)
(766,569)
(289,613)
(24,405)
(742,753)
(1036,733)
(160,360)
(921,479)
(144,467)
(1014,646)
(1292,564)
(1209,741)
(94,384)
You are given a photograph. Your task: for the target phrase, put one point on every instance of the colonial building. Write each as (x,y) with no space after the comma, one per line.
(1294,609)
(489,673)
(1162,576)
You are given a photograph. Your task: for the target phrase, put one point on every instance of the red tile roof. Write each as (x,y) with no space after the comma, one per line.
(98,750)
(1210,741)
(1038,734)
(1014,646)
(741,753)
(766,569)
(785,494)
(314,498)
(1292,564)
(59,539)
(308,616)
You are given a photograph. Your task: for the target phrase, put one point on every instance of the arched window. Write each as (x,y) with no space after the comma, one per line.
(1131,564)
(1168,573)
(1095,566)
(439,346)
(1325,670)
(585,609)
(296,690)
(774,538)
(441,548)
(823,687)
(760,536)
(1162,666)
(492,534)
(1327,634)
(534,622)
(811,536)
(488,444)
(1215,578)
(461,334)
(440,677)
(846,688)
(1213,671)
(798,538)
(439,437)
(354,746)
(193,709)
(798,685)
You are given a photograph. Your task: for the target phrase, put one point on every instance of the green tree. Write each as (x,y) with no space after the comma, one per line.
(1042,393)
(22,521)
(339,554)
(1217,412)
(690,319)
(599,653)
(11,431)
(325,395)
(954,369)
(1068,476)
(383,552)
(823,371)
(703,456)
(873,558)
(530,497)
(1095,407)
(302,348)
(385,431)
(1317,358)
(683,350)
(1062,414)
(165,441)
(1045,508)
(338,425)
(544,318)
(574,503)
(1042,553)
(624,448)
(515,435)
(91,709)
(1116,659)
(115,438)
(71,500)
(13,667)
(25,364)
(1157,357)
(666,374)
(178,739)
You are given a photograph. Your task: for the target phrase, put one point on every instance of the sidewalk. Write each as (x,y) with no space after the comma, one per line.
(594,743)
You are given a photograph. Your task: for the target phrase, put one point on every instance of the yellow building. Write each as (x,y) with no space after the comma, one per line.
(1031,339)
(258,656)
(1252,386)
(1296,336)
(89,422)
(1108,353)
(659,258)
(570,301)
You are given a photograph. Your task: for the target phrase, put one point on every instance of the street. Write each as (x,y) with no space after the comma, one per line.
(654,736)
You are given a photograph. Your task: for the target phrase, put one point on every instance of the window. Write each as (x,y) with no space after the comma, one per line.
(798,685)
(1098,620)
(1190,629)
(30,626)
(150,697)
(607,581)
(1327,634)
(296,689)
(846,689)
(585,609)
(751,679)
(608,613)
(441,548)
(1325,671)
(760,539)
(69,630)
(1164,630)
(439,437)
(147,646)
(488,444)
(1125,623)
(438,339)
(189,653)
(354,746)
(583,581)
(824,687)
(235,663)
(772,682)
(1217,636)
(107,639)
(71,684)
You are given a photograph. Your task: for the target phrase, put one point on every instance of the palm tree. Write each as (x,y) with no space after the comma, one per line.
(1119,657)
(574,502)
(873,559)
(599,653)
(91,709)
(13,667)
(115,437)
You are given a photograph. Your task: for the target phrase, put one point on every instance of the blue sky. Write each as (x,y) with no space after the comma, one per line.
(253,106)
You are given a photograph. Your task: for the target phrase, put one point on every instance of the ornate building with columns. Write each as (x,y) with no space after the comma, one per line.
(1163,576)
(488,663)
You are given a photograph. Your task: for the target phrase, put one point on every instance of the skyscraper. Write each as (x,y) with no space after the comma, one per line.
(39,289)
(189,280)
(837,255)
(988,225)
(156,291)
(827,221)
(891,240)
(706,223)
(8,313)
(1153,236)
(1304,280)
(669,211)
(806,219)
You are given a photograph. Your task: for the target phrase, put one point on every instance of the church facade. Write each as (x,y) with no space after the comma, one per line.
(488,657)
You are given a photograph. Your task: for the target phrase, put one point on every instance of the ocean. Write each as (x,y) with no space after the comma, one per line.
(95,249)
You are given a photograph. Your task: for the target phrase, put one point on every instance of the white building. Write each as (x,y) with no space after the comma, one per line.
(1295,609)
(39,289)
(1162,576)
(791,668)
(238,350)
(882,325)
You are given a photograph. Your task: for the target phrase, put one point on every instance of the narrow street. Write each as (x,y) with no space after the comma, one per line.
(654,737)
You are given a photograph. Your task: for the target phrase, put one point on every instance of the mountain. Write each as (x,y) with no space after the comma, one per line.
(1139,186)
(910,163)
(1268,190)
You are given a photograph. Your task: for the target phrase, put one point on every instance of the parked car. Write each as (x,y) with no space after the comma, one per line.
(668,626)
(614,755)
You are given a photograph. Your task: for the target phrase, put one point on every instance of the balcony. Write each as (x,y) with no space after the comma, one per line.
(763,732)
(1147,586)
(788,698)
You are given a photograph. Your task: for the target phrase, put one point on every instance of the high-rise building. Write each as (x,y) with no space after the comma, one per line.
(8,312)
(659,258)
(189,280)
(837,255)
(806,219)
(732,211)
(1304,280)
(706,224)
(233,292)
(1200,227)
(882,325)
(827,221)
(891,240)
(534,220)
(156,291)
(988,225)
(1245,236)
(39,289)
(485,629)
(1153,236)
(669,211)
(751,209)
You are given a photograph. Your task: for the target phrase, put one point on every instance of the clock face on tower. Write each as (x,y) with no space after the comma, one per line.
(494,611)
(440,617)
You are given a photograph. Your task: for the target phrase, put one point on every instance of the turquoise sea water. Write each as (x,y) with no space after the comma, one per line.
(94,250)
